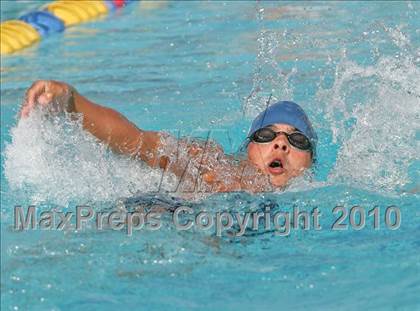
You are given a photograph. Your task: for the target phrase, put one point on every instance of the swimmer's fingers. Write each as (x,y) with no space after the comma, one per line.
(57,94)
(32,96)
(43,93)
(54,94)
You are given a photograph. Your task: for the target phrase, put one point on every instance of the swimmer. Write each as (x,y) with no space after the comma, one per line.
(280,144)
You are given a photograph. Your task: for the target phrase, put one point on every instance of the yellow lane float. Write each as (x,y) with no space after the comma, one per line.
(16,35)
(73,12)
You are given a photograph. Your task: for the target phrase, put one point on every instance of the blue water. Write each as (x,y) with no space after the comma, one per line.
(197,67)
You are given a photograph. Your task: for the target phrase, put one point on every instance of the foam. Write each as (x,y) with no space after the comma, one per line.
(374,114)
(55,160)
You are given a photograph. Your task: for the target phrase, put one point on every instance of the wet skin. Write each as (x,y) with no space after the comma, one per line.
(206,162)
(278,158)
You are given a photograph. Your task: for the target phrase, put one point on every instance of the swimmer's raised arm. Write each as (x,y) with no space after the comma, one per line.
(188,160)
(106,124)
(281,142)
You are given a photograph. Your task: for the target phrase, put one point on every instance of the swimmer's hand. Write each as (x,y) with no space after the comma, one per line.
(113,129)
(57,96)
(106,124)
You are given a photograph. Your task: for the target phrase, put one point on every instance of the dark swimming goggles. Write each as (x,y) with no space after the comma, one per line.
(296,139)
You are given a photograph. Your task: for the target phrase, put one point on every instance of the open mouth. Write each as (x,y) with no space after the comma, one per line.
(276,167)
(276,164)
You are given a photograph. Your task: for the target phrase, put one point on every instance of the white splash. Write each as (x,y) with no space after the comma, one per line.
(52,159)
(269,78)
(375,112)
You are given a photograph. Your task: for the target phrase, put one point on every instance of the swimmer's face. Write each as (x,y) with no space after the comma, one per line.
(278,158)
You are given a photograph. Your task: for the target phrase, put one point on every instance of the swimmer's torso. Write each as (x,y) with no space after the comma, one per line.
(204,167)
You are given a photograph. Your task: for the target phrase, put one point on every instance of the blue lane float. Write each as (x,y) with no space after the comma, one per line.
(110,5)
(44,22)
(51,18)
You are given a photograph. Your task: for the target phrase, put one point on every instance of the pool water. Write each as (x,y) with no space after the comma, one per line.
(206,68)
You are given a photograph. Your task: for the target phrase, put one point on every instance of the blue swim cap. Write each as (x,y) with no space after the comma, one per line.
(287,113)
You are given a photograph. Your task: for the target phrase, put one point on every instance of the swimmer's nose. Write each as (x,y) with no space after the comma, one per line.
(282,144)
